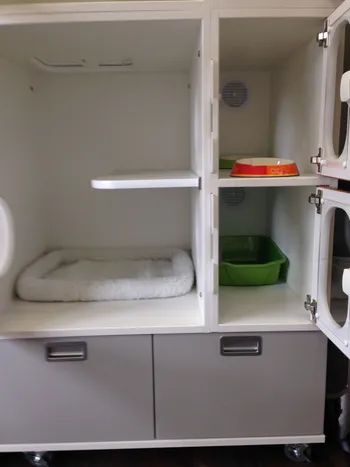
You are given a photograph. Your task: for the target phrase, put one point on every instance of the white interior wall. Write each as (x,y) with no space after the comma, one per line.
(251,217)
(296,112)
(20,170)
(296,106)
(293,230)
(245,130)
(97,123)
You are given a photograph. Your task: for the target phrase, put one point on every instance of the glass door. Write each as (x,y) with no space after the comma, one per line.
(332,243)
(334,158)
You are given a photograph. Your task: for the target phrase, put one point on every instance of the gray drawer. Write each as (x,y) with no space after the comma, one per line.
(206,388)
(107,397)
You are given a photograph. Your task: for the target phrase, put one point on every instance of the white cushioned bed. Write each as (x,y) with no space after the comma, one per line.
(106,274)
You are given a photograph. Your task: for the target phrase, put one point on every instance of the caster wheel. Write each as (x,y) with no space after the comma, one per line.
(345,445)
(298,452)
(38,459)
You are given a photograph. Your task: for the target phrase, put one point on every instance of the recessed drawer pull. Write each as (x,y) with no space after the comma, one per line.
(231,346)
(66,352)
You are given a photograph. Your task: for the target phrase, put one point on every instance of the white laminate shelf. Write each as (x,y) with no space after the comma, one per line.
(57,7)
(302,180)
(257,309)
(172,315)
(147,179)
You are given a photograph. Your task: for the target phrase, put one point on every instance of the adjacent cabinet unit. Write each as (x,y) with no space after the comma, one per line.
(114,117)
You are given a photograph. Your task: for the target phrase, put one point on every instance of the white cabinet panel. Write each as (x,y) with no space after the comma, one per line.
(50,394)
(240,385)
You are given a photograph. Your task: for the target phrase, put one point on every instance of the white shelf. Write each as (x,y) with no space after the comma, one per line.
(147,179)
(256,309)
(302,180)
(172,315)
(57,7)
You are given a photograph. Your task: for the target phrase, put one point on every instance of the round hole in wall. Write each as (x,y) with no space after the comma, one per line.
(234,93)
(233,196)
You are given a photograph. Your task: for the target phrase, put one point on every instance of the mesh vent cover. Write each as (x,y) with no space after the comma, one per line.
(234,93)
(233,196)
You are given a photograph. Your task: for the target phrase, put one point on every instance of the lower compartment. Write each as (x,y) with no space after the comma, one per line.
(264,385)
(117,392)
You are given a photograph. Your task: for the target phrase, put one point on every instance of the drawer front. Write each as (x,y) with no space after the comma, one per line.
(76,390)
(270,384)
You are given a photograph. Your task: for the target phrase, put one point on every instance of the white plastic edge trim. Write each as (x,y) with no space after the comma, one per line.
(160,443)
(6,237)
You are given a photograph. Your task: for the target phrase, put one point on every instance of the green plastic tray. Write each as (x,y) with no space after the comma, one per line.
(251,260)
(226,163)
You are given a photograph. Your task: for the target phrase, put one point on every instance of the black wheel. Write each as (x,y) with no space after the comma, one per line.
(298,452)
(345,445)
(38,459)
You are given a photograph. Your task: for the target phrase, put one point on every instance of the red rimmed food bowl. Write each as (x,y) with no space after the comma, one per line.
(264,167)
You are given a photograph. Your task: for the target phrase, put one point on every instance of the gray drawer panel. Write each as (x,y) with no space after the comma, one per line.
(107,397)
(200,393)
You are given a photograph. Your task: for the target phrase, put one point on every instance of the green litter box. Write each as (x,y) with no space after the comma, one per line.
(251,260)
(227,162)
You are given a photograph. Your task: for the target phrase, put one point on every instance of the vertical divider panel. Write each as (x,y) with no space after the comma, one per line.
(200,148)
(214,93)
(214,257)
(213,168)
(197,208)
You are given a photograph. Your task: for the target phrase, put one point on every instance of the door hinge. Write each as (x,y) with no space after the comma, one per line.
(322,37)
(200,183)
(311,306)
(317,200)
(317,159)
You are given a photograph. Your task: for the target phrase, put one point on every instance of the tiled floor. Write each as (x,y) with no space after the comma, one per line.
(207,457)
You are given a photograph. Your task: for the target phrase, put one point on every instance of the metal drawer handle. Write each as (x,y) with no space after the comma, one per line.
(241,346)
(66,352)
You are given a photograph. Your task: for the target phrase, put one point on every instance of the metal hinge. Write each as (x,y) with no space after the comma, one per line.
(200,183)
(311,306)
(317,159)
(317,200)
(322,37)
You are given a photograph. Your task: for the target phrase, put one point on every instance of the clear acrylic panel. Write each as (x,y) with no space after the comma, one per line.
(339,259)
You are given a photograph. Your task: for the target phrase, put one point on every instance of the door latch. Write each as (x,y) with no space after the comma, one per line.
(317,200)
(323,37)
(310,305)
(317,160)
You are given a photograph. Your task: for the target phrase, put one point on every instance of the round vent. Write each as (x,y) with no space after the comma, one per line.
(234,93)
(233,196)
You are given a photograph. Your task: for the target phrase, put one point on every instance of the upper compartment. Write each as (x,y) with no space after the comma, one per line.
(163,51)
(268,93)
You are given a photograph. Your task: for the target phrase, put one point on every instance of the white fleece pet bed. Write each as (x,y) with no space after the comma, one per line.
(96,275)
